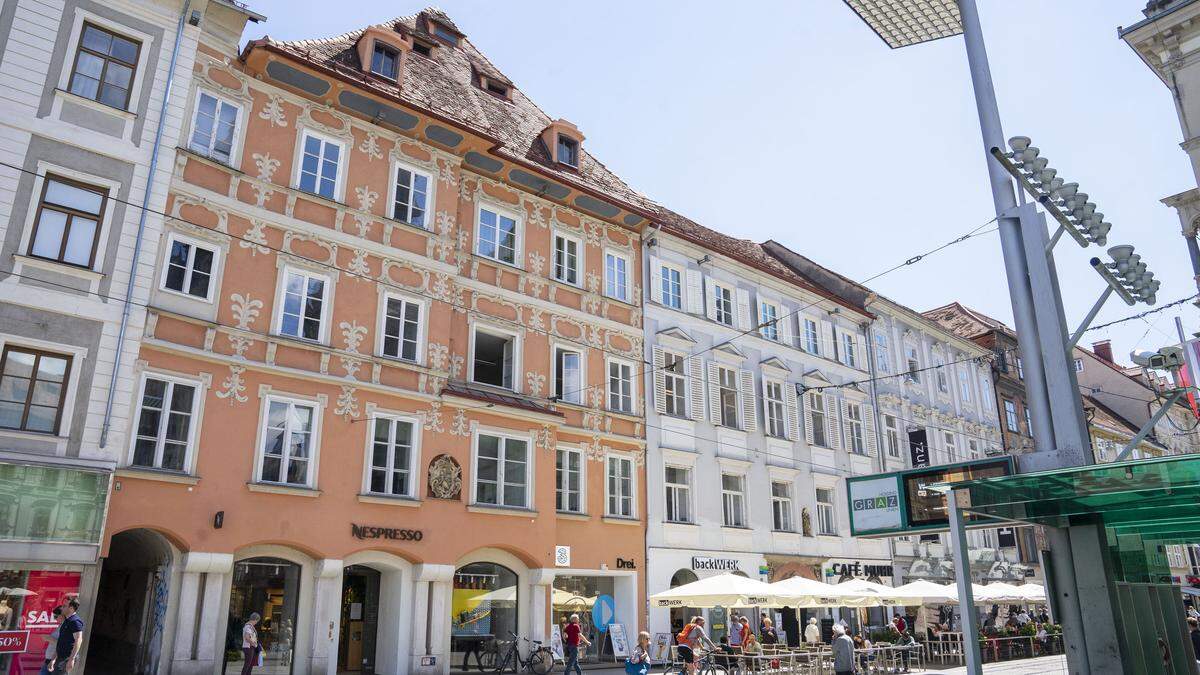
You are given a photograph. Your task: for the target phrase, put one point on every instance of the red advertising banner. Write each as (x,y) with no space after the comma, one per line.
(34,603)
(13,641)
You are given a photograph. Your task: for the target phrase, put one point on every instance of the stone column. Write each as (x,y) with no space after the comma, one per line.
(431,636)
(327,592)
(539,579)
(198,619)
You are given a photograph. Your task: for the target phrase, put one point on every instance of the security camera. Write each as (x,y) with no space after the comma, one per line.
(1167,358)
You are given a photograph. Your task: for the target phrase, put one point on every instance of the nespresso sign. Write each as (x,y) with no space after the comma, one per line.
(397,534)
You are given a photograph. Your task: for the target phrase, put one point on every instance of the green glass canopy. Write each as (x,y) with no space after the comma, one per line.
(1157,499)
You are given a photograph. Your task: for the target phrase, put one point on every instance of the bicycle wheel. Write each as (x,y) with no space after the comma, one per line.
(502,666)
(541,662)
(714,669)
(487,661)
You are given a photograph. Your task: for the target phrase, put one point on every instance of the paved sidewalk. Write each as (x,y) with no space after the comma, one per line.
(1045,665)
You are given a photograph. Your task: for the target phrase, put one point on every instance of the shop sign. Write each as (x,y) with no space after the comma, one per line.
(562,556)
(13,641)
(875,504)
(372,532)
(715,564)
(858,569)
(626,564)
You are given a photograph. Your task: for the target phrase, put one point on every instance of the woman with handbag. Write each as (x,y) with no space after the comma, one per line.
(250,646)
(638,662)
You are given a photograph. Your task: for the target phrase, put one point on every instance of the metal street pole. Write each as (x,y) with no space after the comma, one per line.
(969,618)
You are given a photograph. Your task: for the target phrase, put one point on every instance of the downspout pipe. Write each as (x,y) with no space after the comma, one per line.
(155,151)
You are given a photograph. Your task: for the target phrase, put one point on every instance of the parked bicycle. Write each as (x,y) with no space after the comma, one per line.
(539,662)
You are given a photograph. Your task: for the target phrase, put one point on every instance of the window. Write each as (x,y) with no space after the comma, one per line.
(422,48)
(392,457)
(883,357)
(620,386)
(1020,369)
(826,516)
(501,471)
(104,67)
(33,386)
(67,226)
(854,428)
(401,328)
(964,386)
(498,88)
(568,375)
(672,287)
(492,360)
(848,355)
(913,363)
(812,339)
(733,500)
(566,259)
(303,305)
(951,446)
(727,394)
(214,127)
(320,163)
(723,303)
(973,448)
(410,204)
(568,151)
(1010,416)
(781,506)
(773,407)
(164,425)
(891,435)
(616,277)
(768,317)
(1028,423)
(678,482)
(816,418)
(189,267)
(985,391)
(620,487)
(288,443)
(568,480)
(384,60)
(943,382)
(675,384)
(443,33)
(1079,365)
(497,236)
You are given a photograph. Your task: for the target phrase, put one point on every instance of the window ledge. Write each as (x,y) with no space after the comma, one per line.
(622,520)
(520,512)
(736,528)
(161,475)
(186,296)
(32,435)
(95,105)
(389,500)
(61,268)
(679,523)
(292,490)
(572,515)
(788,532)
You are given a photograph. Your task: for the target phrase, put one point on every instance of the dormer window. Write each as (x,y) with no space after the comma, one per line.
(568,151)
(423,48)
(443,33)
(384,60)
(497,88)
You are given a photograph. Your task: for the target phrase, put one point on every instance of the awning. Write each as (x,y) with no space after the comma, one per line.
(723,590)
(1155,498)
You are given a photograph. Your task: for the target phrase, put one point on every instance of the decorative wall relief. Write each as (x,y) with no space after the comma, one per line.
(233,387)
(346,405)
(273,111)
(445,478)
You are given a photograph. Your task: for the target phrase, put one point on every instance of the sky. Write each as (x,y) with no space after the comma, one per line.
(792,121)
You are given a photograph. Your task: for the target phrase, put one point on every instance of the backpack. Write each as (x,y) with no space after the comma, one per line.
(683,634)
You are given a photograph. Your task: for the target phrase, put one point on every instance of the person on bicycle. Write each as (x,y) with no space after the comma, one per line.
(693,636)
(572,639)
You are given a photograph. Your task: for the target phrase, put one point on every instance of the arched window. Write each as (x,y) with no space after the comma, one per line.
(485,607)
(682,577)
(269,587)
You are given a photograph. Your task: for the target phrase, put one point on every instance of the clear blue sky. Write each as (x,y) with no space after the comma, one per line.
(790,120)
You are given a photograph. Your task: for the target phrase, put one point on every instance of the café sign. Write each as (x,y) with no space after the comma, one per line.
(715,564)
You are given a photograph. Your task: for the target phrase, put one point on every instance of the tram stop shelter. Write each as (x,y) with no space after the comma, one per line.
(1139,507)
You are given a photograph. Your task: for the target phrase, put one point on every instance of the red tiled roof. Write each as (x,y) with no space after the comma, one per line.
(966,322)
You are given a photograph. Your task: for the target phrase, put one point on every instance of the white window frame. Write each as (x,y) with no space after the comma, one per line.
(883,351)
(213,274)
(771,406)
(782,505)
(849,351)
(985,391)
(891,435)
(950,445)
(671,493)
(518,230)
(973,451)
(579,254)
(856,439)
(608,382)
(812,336)
(719,291)
(628,281)
(737,421)
(964,385)
(194,415)
(732,498)
(560,488)
(414,454)
(235,148)
(764,330)
(516,354)
(1011,417)
(940,378)
(826,510)
(816,407)
(666,266)
(381,326)
(326,303)
(318,408)
(504,436)
(339,184)
(569,396)
(430,194)
(682,393)
(631,497)
(912,362)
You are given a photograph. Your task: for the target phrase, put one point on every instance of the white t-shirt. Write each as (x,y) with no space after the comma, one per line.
(249,637)
(50,653)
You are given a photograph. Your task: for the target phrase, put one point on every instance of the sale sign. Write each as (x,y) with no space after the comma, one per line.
(13,641)
(34,603)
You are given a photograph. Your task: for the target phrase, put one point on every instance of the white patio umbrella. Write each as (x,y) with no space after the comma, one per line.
(870,593)
(16,592)
(723,590)
(1032,592)
(921,591)
(799,592)
(998,592)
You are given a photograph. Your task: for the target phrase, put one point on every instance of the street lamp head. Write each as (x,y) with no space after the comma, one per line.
(1037,166)
(1019,143)
(1067,190)
(904,23)
(1027,155)
(1052,186)
(1121,253)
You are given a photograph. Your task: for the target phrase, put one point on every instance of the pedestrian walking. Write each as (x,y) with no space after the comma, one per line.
(1194,633)
(573,638)
(70,639)
(638,662)
(812,632)
(735,631)
(51,640)
(843,651)
(250,646)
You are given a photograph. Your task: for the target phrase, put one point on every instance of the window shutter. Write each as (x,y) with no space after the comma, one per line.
(749,406)
(870,442)
(509,378)
(860,346)
(695,292)
(827,340)
(808,421)
(656,279)
(695,389)
(744,321)
(789,405)
(832,422)
(714,392)
(784,326)
(710,299)
(660,381)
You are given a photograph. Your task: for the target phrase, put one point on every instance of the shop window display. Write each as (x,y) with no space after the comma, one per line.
(483,614)
(578,595)
(271,588)
(27,602)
